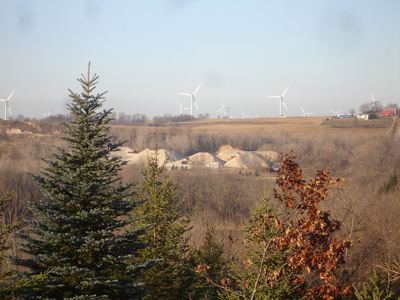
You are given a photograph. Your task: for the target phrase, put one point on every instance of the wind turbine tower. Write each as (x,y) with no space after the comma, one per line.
(281,101)
(6,105)
(192,99)
(221,110)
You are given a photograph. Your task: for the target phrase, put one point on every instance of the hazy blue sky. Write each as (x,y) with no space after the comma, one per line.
(333,54)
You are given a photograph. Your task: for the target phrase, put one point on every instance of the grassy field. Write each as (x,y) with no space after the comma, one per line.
(288,125)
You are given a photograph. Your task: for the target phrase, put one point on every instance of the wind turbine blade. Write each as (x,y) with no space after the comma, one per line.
(285,91)
(195,103)
(10,95)
(185,94)
(180,105)
(197,89)
(302,110)
(372,98)
(284,104)
(275,97)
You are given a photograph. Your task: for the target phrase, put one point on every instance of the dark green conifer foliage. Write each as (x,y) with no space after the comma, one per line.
(171,278)
(269,269)
(82,233)
(210,255)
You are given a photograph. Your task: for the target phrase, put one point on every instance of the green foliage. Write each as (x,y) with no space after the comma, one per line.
(82,235)
(210,258)
(171,277)
(262,272)
(374,291)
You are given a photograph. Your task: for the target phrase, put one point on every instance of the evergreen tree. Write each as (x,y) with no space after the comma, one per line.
(210,254)
(171,278)
(82,235)
(263,265)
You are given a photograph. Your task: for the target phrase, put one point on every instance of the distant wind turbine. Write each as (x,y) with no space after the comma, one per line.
(304,113)
(182,109)
(281,101)
(48,114)
(375,103)
(193,100)
(244,116)
(6,105)
(335,112)
(221,110)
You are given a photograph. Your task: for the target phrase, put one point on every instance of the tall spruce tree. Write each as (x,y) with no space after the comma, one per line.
(172,277)
(82,234)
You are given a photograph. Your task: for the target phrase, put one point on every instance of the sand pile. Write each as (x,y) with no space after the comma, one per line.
(248,160)
(228,154)
(124,153)
(204,158)
(226,147)
(141,158)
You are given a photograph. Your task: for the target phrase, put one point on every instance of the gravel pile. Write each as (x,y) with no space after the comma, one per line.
(204,158)
(141,158)
(248,160)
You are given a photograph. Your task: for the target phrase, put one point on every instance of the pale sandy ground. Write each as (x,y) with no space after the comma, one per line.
(227,158)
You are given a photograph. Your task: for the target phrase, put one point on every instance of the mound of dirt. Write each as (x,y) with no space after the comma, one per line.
(226,147)
(141,158)
(127,153)
(204,158)
(248,160)
(228,154)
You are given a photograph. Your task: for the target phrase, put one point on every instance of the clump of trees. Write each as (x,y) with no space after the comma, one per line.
(81,236)
(293,255)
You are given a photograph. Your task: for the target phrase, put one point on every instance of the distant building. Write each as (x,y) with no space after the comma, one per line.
(343,116)
(213,165)
(363,117)
(388,113)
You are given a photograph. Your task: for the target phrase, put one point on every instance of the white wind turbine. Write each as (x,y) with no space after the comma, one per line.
(244,116)
(48,114)
(335,112)
(182,109)
(221,110)
(6,105)
(304,113)
(281,101)
(375,103)
(193,100)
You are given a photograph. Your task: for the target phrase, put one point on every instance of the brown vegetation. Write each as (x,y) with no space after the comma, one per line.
(365,157)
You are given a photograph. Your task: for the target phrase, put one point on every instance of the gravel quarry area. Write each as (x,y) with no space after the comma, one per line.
(225,158)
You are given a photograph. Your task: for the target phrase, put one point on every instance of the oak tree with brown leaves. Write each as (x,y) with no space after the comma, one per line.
(295,254)
(310,234)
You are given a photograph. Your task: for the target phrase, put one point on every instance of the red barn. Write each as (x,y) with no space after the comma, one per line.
(389,113)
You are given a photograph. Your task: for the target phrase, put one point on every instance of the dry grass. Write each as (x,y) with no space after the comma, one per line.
(363,155)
